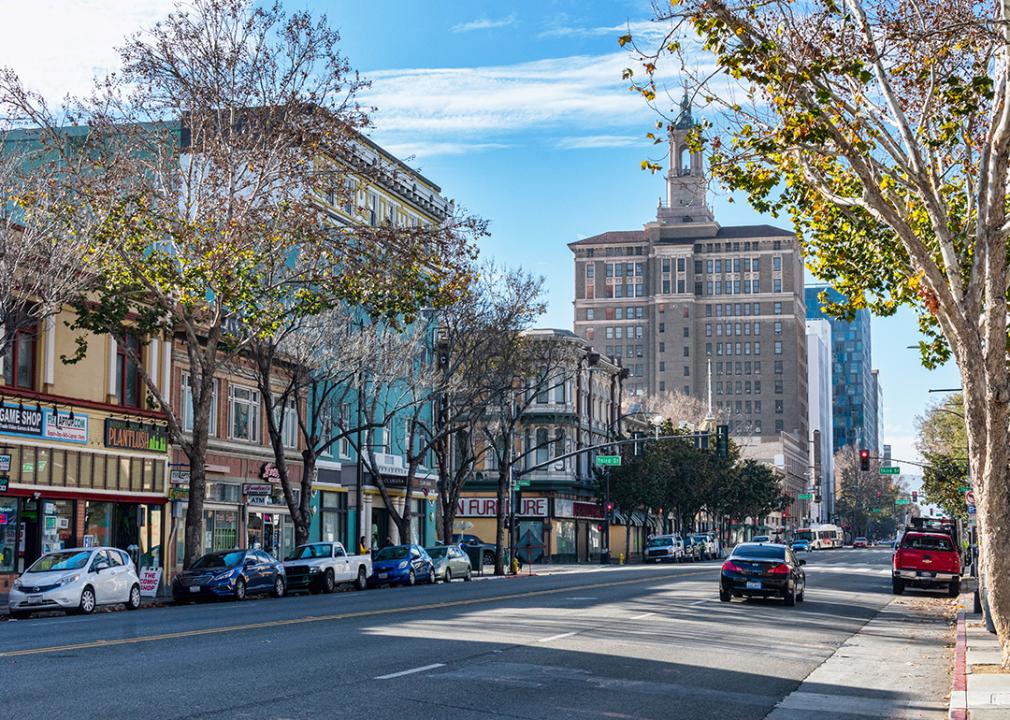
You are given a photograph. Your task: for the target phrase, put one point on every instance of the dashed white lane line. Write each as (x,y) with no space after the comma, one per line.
(698,602)
(556,637)
(641,617)
(412,671)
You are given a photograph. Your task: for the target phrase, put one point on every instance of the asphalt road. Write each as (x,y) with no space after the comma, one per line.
(634,642)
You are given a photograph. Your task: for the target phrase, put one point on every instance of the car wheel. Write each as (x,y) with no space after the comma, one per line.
(362,582)
(133,603)
(789,598)
(278,587)
(724,595)
(19,615)
(411,579)
(329,584)
(468,577)
(432,577)
(897,586)
(240,589)
(448,575)
(87,605)
(954,589)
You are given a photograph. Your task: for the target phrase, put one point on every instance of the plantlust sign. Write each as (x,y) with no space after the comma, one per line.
(488,507)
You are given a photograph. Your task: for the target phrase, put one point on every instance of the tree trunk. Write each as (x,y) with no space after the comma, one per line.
(627,540)
(304,519)
(194,511)
(500,519)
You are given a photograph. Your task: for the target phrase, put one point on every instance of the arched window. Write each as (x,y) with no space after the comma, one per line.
(684,162)
(542,447)
(559,442)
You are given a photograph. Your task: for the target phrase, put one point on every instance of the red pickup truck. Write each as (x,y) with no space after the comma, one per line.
(926,560)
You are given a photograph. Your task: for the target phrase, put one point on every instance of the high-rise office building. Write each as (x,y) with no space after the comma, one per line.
(855,390)
(822,463)
(686,296)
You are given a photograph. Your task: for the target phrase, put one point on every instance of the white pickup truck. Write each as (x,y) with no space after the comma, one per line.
(320,567)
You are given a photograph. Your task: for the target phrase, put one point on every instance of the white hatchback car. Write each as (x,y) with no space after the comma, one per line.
(76,580)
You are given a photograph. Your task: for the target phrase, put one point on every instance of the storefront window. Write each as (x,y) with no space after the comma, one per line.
(8,534)
(57,525)
(566,537)
(333,517)
(419,523)
(150,538)
(98,523)
(220,530)
(595,539)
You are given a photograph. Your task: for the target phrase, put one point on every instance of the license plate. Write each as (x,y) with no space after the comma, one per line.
(194,588)
(753,585)
(35,599)
(383,576)
(923,573)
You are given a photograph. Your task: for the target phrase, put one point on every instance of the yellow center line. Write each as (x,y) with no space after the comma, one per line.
(324,618)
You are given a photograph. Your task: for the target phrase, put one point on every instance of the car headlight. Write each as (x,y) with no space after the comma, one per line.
(67,579)
(221,576)
(17,584)
(402,565)
(314,569)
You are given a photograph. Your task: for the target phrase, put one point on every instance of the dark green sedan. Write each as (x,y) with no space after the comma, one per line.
(450,563)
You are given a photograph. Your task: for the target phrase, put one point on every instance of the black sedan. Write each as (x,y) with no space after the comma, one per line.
(763,570)
(230,574)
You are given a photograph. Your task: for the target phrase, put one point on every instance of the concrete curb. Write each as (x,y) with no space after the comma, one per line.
(959,683)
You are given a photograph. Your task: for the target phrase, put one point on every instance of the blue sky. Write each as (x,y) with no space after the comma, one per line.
(516,110)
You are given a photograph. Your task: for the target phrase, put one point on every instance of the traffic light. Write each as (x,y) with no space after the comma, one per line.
(817,498)
(610,508)
(722,441)
(864,460)
(915,496)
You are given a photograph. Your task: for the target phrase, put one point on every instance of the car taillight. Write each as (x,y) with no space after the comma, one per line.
(780,569)
(730,566)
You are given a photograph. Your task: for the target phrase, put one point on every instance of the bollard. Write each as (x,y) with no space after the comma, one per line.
(620,559)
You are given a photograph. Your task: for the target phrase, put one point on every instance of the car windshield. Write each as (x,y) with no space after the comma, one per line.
(309,552)
(804,535)
(54,562)
(759,552)
(394,552)
(925,542)
(437,552)
(759,538)
(219,560)
(860,539)
(659,542)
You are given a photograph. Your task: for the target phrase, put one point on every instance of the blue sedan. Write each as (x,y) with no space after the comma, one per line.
(230,574)
(402,565)
(801,544)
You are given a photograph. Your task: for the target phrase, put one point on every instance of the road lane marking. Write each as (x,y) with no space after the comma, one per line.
(641,617)
(333,617)
(580,598)
(556,637)
(698,602)
(423,668)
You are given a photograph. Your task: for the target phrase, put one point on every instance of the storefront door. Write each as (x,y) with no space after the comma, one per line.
(30,542)
(380,528)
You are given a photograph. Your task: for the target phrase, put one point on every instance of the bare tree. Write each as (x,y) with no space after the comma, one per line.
(47,259)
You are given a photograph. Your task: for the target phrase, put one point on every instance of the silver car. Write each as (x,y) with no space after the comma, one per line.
(450,562)
(76,580)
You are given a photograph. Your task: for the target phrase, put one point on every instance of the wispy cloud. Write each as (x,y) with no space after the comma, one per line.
(640,30)
(590,142)
(484,24)
(432,149)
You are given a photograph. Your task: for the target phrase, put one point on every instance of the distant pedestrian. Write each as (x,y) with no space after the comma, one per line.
(362,547)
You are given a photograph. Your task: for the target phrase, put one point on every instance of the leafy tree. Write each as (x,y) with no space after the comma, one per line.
(883,131)
(754,490)
(866,500)
(943,442)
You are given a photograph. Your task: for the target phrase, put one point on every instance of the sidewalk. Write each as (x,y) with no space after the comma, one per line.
(896,666)
(981,689)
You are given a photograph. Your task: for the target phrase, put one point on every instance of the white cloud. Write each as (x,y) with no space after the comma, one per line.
(484,24)
(58,46)
(641,30)
(578,91)
(590,142)
(431,149)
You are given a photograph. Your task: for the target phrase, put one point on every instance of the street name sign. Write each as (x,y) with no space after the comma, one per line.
(805,496)
(893,470)
(608,459)
(902,501)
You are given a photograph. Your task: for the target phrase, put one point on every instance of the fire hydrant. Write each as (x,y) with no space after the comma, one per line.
(620,559)
(515,566)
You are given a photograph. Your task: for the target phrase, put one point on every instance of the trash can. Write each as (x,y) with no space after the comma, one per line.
(476,555)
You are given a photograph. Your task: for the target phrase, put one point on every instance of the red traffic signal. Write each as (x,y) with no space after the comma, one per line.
(610,507)
(915,496)
(864,459)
